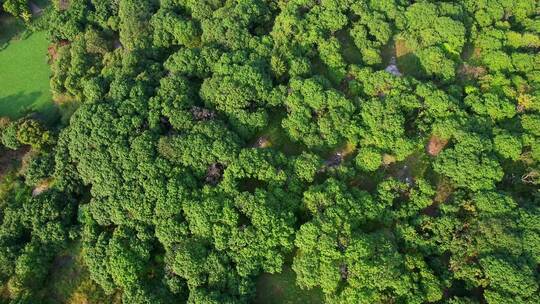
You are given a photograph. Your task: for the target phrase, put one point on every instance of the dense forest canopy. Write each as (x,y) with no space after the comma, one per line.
(387,151)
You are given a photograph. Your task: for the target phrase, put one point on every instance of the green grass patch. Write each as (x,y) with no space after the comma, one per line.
(70,283)
(278,138)
(281,288)
(25,78)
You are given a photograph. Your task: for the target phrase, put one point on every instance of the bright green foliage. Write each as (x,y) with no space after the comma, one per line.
(204,145)
(436,64)
(317,117)
(436,35)
(368,159)
(32,231)
(371,31)
(254,229)
(491,105)
(531,124)
(133,17)
(487,247)
(171,29)
(470,163)
(505,278)
(335,254)
(30,132)
(240,91)
(9,136)
(508,146)
(307,165)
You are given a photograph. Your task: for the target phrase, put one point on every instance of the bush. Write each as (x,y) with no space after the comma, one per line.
(9,136)
(368,159)
(39,166)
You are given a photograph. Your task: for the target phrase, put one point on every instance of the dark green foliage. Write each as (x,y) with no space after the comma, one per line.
(30,132)
(9,136)
(39,167)
(33,229)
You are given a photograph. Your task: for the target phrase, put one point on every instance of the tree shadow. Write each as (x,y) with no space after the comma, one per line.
(409,64)
(17,105)
(11,27)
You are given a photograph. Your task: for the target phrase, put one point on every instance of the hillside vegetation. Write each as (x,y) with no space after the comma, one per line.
(280,151)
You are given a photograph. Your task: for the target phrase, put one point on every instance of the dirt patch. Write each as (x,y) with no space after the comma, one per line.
(63,99)
(63,266)
(401,48)
(348,149)
(443,192)
(262,142)
(251,184)
(41,187)
(436,145)
(63,4)
(9,159)
(281,288)
(214,174)
(53,49)
(338,157)
(63,261)
(366,183)
(470,52)
(4,292)
(202,114)
(471,71)
(431,210)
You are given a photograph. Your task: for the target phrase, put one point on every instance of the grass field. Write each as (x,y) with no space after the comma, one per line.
(24,75)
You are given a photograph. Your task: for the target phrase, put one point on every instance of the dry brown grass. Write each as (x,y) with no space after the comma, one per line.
(402,48)
(4,293)
(472,72)
(444,190)
(436,145)
(62,99)
(42,187)
(388,159)
(348,149)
